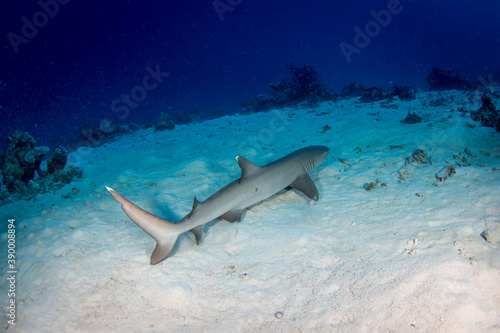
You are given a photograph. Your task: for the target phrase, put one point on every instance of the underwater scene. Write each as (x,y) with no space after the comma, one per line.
(250,166)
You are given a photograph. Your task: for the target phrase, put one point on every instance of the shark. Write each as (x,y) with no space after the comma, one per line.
(254,186)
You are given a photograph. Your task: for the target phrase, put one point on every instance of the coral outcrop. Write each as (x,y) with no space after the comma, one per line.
(411,118)
(58,160)
(442,79)
(21,160)
(487,115)
(404,93)
(86,135)
(352,90)
(303,85)
(164,122)
(373,94)
(21,173)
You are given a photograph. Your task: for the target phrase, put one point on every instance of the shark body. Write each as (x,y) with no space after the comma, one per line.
(254,185)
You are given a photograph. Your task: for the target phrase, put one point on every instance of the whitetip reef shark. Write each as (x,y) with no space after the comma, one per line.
(255,185)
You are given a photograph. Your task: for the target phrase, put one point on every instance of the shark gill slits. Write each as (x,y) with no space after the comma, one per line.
(309,167)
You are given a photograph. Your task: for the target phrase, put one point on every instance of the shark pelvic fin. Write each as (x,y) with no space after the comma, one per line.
(198,234)
(233,215)
(163,231)
(305,184)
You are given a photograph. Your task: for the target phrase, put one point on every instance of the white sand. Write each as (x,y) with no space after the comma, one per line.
(405,257)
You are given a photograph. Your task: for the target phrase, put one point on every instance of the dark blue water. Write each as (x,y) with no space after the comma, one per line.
(70,62)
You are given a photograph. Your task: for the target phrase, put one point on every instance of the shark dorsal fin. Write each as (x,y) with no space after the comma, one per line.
(247,167)
(195,203)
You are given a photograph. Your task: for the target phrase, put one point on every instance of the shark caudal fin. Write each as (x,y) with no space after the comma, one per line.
(163,231)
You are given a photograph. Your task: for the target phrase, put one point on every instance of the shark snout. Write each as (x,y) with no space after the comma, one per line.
(312,156)
(321,153)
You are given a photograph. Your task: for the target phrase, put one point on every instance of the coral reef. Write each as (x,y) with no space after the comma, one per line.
(371,186)
(439,101)
(418,156)
(464,158)
(487,115)
(185,117)
(352,90)
(87,135)
(303,85)
(265,102)
(404,93)
(62,177)
(372,94)
(442,79)
(21,160)
(446,172)
(58,160)
(411,118)
(163,122)
(375,94)
(21,164)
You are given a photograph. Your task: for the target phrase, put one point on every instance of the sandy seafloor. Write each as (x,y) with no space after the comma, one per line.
(407,256)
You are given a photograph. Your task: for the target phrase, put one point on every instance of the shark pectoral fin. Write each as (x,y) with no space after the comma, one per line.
(198,233)
(233,215)
(305,184)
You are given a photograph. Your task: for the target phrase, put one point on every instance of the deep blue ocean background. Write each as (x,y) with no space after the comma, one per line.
(91,52)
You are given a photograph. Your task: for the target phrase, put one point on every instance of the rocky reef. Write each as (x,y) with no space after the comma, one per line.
(303,85)
(373,94)
(488,115)
(165,121)
(22,176)
(404,93)
(352,90)
(412,118)
(442,79)
(21,160)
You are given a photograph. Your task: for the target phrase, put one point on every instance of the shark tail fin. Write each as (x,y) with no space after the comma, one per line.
(163,231)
